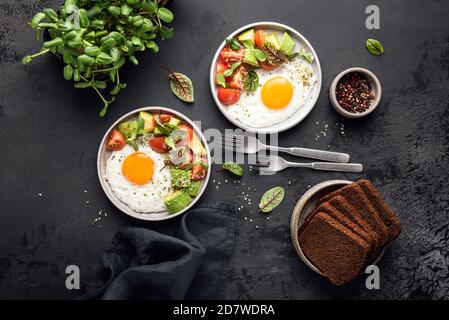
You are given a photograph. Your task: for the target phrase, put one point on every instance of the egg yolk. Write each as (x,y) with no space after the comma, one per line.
(277,93)
(138,168)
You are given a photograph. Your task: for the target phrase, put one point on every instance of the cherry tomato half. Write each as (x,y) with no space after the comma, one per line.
(228,96)
(238,78)
(164,118)
(115,141)
(259,38)
(158,145)
(230,56)
(267,66)
(199,170)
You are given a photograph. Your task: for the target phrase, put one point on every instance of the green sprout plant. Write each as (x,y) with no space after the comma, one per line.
(95,38)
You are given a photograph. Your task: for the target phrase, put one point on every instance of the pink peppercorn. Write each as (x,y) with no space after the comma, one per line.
(353,92)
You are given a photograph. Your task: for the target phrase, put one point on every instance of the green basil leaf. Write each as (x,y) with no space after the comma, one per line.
(182,86)
(69,6)
(100,84)
(165,14)
(374,47)
(149,6)
(233,167)
(115,91)
(271,199)
(125,10)
(227,73)
(251,81)
(82,85)
(221,79)
(51,15)
(92,51)
(68,72)
(36,19)
(53,43)
(166,33)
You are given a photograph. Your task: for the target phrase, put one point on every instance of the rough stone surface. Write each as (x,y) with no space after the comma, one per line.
(50,134)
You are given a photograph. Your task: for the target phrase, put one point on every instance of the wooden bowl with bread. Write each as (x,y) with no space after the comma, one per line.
(339,227)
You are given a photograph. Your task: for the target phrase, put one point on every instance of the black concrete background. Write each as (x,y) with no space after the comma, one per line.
(49,135)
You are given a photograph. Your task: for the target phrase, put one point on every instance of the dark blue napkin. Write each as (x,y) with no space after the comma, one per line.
(190,263)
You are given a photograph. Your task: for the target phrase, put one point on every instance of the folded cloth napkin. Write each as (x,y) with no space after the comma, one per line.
(192,263)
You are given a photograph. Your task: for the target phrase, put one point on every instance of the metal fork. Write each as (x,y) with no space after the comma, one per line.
(251,145)
(272,164)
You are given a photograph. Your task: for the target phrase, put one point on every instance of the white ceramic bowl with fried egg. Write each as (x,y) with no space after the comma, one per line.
(103,155)
(302,111)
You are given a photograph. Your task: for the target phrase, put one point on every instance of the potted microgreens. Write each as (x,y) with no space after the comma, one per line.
(95,39)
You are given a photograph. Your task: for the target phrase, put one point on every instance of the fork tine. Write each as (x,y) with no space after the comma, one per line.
(231,142)
(262,162)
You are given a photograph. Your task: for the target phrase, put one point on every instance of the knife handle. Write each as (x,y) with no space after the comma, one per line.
(343,167)
(319,154)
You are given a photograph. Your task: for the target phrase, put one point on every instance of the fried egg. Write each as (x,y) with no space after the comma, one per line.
(139,179)
(281,92)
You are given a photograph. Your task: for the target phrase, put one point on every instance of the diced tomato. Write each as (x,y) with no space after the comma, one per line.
(158,145)
(199,170)
(259,38)
(237,79)
(164,118)
(266,66)
(221,67)
(230,56)
(228,96)
(116,141)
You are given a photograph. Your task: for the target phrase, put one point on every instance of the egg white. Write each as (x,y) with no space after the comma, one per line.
(250,109)
(147,198)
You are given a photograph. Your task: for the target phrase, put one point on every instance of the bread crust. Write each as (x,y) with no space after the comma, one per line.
(386,214)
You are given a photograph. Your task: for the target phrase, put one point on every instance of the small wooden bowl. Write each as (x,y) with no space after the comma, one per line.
(376,89)
(305,206)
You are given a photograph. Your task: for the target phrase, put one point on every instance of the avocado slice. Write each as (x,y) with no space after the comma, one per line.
(157,132)
(177,201)
(149,121)
(180,178)
(247,35)
(174,122)
(128,129)
(194,188)
(250,57)
(273,39)
(287,44)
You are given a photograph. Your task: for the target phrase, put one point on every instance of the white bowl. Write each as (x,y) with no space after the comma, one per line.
(103,155)
(302,112)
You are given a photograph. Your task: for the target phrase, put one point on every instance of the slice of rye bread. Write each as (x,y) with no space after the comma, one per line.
(386,214)
(334,249)
(336,215)
(347,210)
(350,219)
(355,196)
